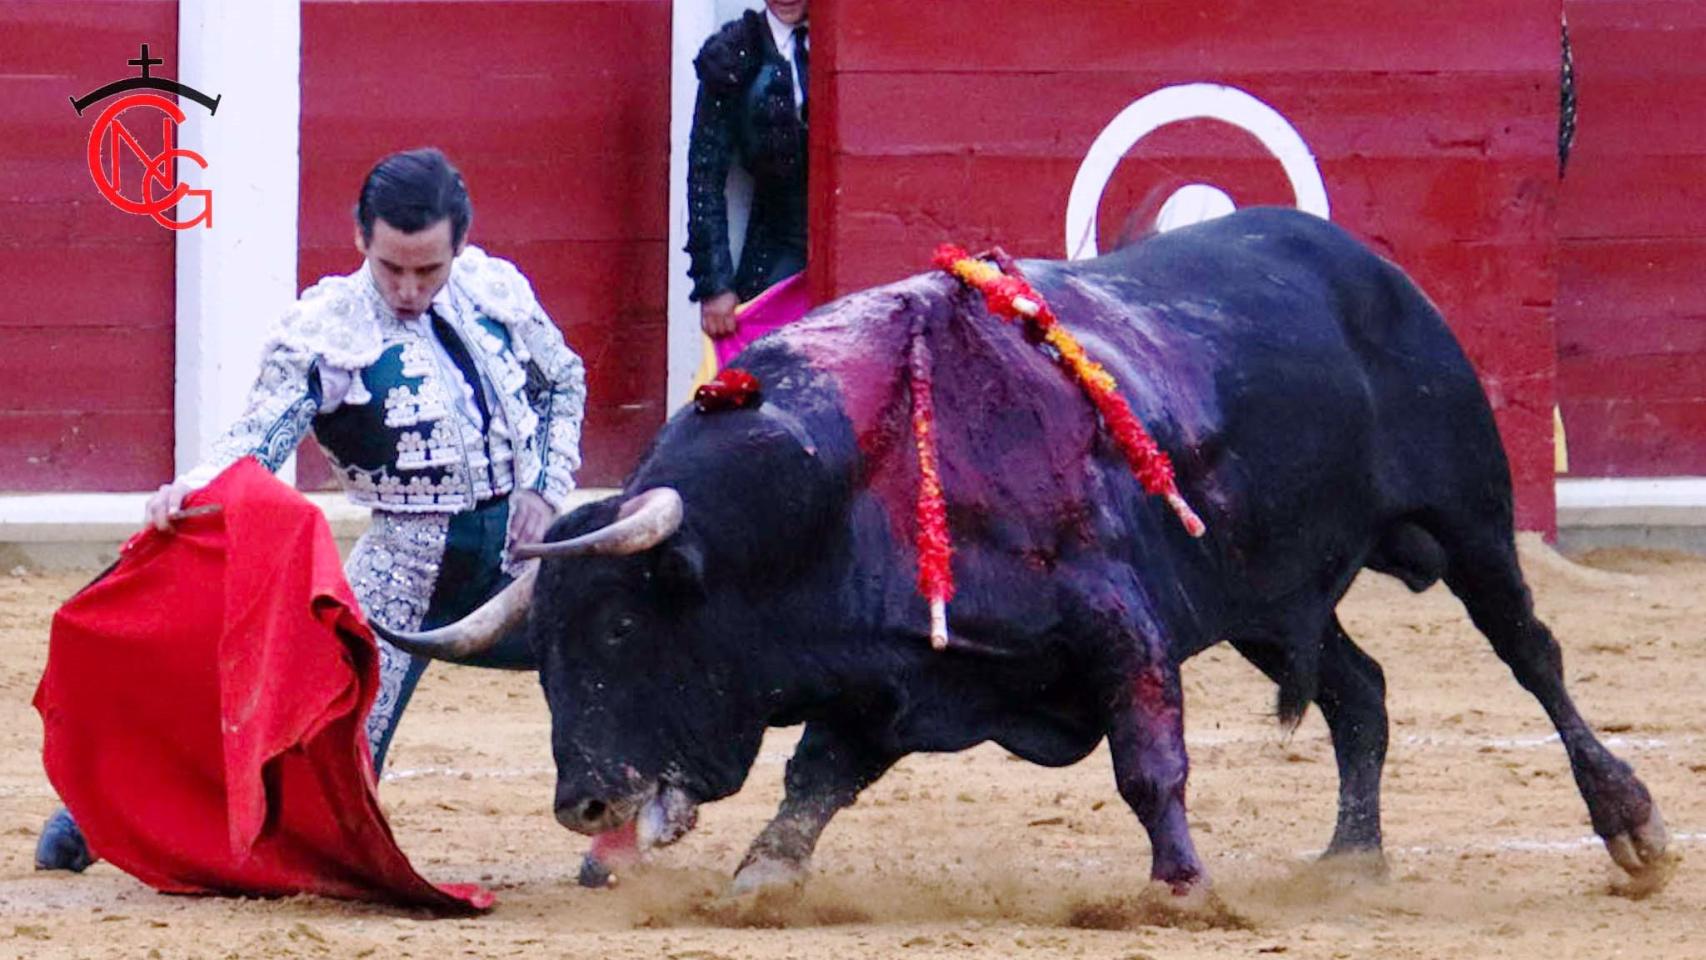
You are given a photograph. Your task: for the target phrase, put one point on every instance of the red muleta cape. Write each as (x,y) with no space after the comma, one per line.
(203,707)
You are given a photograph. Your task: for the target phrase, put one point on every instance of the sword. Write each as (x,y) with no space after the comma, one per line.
(191,512)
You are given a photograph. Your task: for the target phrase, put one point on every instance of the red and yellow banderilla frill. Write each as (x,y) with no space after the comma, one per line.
(935,550)
(1012,298)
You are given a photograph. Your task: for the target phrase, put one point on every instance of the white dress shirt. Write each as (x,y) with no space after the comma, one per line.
(783,34)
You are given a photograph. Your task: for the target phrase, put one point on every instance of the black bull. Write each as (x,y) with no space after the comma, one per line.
(1321,417)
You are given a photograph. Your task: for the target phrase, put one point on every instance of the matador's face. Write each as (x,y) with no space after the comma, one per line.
(408,268)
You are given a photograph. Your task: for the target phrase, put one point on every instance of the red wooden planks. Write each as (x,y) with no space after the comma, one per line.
(1207,36)
(85,450)
(1632,235)
(85,327)
(1642,432)
(70,369)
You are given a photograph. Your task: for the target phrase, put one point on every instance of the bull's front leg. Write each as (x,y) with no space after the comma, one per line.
(826,773)
(1146,736)
(1139,680)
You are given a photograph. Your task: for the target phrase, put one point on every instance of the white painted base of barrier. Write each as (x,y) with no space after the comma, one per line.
(1638,501)
(80,530)
(70,531)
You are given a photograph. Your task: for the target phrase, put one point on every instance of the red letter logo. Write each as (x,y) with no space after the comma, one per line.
(111,143)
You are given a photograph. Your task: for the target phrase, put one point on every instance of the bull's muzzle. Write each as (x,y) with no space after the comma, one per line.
(594,812)
(591,816)
(665,814)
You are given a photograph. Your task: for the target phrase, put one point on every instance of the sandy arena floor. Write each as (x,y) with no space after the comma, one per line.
(980,855)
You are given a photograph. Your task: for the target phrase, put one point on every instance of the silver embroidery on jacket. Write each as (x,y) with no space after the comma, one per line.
(342,323)
(393,570)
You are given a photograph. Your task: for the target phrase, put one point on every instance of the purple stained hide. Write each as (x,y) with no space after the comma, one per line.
(1015,432)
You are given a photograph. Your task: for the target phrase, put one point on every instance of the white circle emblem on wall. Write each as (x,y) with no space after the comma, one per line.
(1196,202)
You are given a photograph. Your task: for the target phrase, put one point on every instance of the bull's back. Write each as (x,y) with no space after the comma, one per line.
(1270,289)
(1321,297)
(1276,358)
(1311,393)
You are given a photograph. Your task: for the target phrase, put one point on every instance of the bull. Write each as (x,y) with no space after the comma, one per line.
(758,568)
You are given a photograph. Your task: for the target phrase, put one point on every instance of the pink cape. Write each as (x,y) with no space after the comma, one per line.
(781,304)
(203,707)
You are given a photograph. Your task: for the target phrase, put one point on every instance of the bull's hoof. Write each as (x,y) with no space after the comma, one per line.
(62,846)
(1189,893)
(767,875)
(1353,864)
(1643,853)
(595,873)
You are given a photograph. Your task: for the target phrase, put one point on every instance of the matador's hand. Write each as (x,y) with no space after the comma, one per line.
(164,502)
(717,314)
(529,516)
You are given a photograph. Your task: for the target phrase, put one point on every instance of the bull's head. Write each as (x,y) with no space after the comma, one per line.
(616,607)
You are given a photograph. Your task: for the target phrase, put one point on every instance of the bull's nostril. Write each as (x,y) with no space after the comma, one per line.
(592,811)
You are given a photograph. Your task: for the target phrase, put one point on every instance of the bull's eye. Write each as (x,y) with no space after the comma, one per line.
(620,630)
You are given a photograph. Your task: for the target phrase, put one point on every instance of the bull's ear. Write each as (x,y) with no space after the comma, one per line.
(681,568)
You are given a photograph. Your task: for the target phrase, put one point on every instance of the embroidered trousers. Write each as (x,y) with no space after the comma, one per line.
(417,571)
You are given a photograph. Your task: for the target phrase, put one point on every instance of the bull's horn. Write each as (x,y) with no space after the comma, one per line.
(641,524)
(475,634)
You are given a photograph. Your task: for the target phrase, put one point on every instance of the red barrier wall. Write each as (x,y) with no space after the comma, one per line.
(1437,142)
(1632,242)
(557,112)
(86,318)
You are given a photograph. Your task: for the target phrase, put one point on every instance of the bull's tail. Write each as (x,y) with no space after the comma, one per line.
(1295,696)
(1290,656)
(1299,683)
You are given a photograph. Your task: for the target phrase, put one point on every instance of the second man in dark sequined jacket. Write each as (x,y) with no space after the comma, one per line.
(751,110)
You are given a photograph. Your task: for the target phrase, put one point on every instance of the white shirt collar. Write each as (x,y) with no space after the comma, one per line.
(783,34)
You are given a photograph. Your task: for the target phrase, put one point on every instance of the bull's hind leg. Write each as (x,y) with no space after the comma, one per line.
(1351,693)
(1484,574)
(1352,698)
(825,774)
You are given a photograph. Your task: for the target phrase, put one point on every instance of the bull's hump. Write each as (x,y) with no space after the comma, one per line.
(1015,436)
(860,344)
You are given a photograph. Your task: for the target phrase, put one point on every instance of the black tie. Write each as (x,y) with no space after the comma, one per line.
(464,361)
(802,64)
